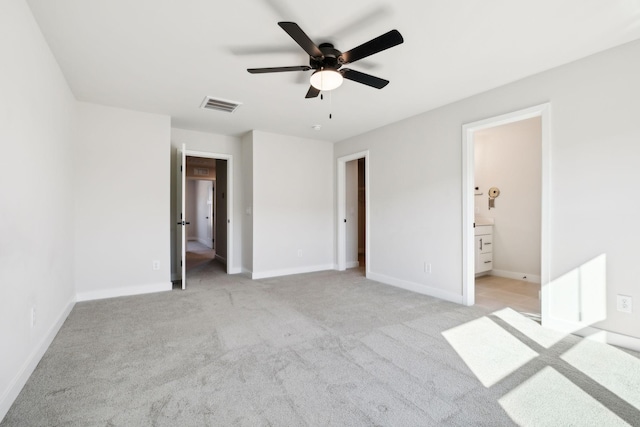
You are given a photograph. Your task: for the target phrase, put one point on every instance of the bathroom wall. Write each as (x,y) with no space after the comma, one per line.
(509,157)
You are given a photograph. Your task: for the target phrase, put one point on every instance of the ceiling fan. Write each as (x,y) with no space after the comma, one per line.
(326,61)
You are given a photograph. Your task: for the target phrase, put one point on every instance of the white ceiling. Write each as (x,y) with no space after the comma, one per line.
(165,56)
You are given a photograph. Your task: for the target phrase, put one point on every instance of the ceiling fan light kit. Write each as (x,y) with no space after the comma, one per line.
(327,61)
(326,79)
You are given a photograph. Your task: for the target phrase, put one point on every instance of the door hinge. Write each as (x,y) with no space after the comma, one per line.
(180,168)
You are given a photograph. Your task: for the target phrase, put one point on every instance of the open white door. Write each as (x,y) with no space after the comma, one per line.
(183,223)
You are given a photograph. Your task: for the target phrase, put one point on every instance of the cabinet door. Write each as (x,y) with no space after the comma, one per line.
(485,262)
(486,243)
(483,252)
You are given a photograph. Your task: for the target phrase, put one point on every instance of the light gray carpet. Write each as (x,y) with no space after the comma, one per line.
(325,348)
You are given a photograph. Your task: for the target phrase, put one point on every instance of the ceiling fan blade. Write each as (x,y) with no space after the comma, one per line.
(302,39)
(365,79)
(380,43)
(278,69)
(313,92)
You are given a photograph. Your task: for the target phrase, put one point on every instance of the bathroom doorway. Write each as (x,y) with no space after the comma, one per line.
(507,187)
(505,172)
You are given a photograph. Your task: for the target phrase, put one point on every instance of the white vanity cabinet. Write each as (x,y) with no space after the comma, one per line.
(484,248)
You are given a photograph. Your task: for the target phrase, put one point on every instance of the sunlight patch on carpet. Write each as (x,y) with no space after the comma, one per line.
(547,338)
(548,398)
(488,350)
(610,367)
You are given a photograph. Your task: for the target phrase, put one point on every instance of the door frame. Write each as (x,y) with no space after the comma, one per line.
(341,212)
(213,218)
(230,198)
(468,167)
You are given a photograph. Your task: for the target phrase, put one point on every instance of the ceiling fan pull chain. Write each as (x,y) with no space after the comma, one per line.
(330,104)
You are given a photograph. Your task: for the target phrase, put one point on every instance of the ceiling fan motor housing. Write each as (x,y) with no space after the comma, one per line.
(331,60)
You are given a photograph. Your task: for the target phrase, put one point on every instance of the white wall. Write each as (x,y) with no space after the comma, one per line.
(292,205)
(351,205)
(509,157)
(416,199)
(122,203)
(212,143)
(37,114)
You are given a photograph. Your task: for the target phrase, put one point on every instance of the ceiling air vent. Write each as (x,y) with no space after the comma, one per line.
(210,103)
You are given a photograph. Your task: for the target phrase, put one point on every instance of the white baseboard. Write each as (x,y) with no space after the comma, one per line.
(290,271)
(415,287)
(593,333)
(608,337)
(126,291)
(221,259)
(15,386)
(206,242)
(518,276)
(352,264)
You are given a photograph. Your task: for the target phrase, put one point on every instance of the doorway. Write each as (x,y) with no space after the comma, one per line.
(200,212)
(353,224)
(491,196)
(355,227)
(204,209)
(507,180)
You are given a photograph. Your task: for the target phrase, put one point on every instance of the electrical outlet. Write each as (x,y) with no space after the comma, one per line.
(624,303)
(33,317)
(156,265)
(299,253)
(427,267)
